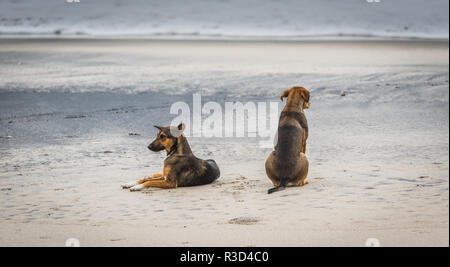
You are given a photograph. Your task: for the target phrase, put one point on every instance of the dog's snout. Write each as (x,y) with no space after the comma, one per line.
(155,146)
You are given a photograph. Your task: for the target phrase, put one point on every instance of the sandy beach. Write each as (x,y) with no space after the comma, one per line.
(76,116)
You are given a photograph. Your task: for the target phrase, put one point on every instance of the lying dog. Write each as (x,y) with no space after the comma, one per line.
(181,167)
(288,165)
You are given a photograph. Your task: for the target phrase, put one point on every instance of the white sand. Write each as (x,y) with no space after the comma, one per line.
(379,156)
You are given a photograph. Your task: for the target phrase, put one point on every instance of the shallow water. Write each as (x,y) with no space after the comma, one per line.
(215,19)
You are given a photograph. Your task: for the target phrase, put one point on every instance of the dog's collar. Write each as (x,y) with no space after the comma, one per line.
(173,148)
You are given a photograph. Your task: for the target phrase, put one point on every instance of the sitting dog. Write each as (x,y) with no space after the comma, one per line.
(288,165)
(181,167)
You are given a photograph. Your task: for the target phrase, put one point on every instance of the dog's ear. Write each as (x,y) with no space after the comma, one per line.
(285,94)
(181,127)
(305,94)
(158,127)
(177,131)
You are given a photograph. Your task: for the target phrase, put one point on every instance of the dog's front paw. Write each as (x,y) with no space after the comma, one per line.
(136,188)
(129,185)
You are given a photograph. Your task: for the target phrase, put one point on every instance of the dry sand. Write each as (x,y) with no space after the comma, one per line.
(379,155)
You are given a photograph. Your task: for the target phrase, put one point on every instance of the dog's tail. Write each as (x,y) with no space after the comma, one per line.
(283,183)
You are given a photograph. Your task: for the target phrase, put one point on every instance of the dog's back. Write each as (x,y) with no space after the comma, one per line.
(291,132)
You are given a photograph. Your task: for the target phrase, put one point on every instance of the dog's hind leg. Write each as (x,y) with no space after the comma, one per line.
(304,166)
(304,182)
(270,171)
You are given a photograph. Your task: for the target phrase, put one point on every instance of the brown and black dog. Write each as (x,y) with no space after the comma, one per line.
(181,167)
(287,164)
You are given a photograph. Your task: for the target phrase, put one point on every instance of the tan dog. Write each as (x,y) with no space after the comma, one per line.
(287,164)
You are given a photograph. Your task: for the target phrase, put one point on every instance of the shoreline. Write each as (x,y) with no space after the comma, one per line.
(195,38)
